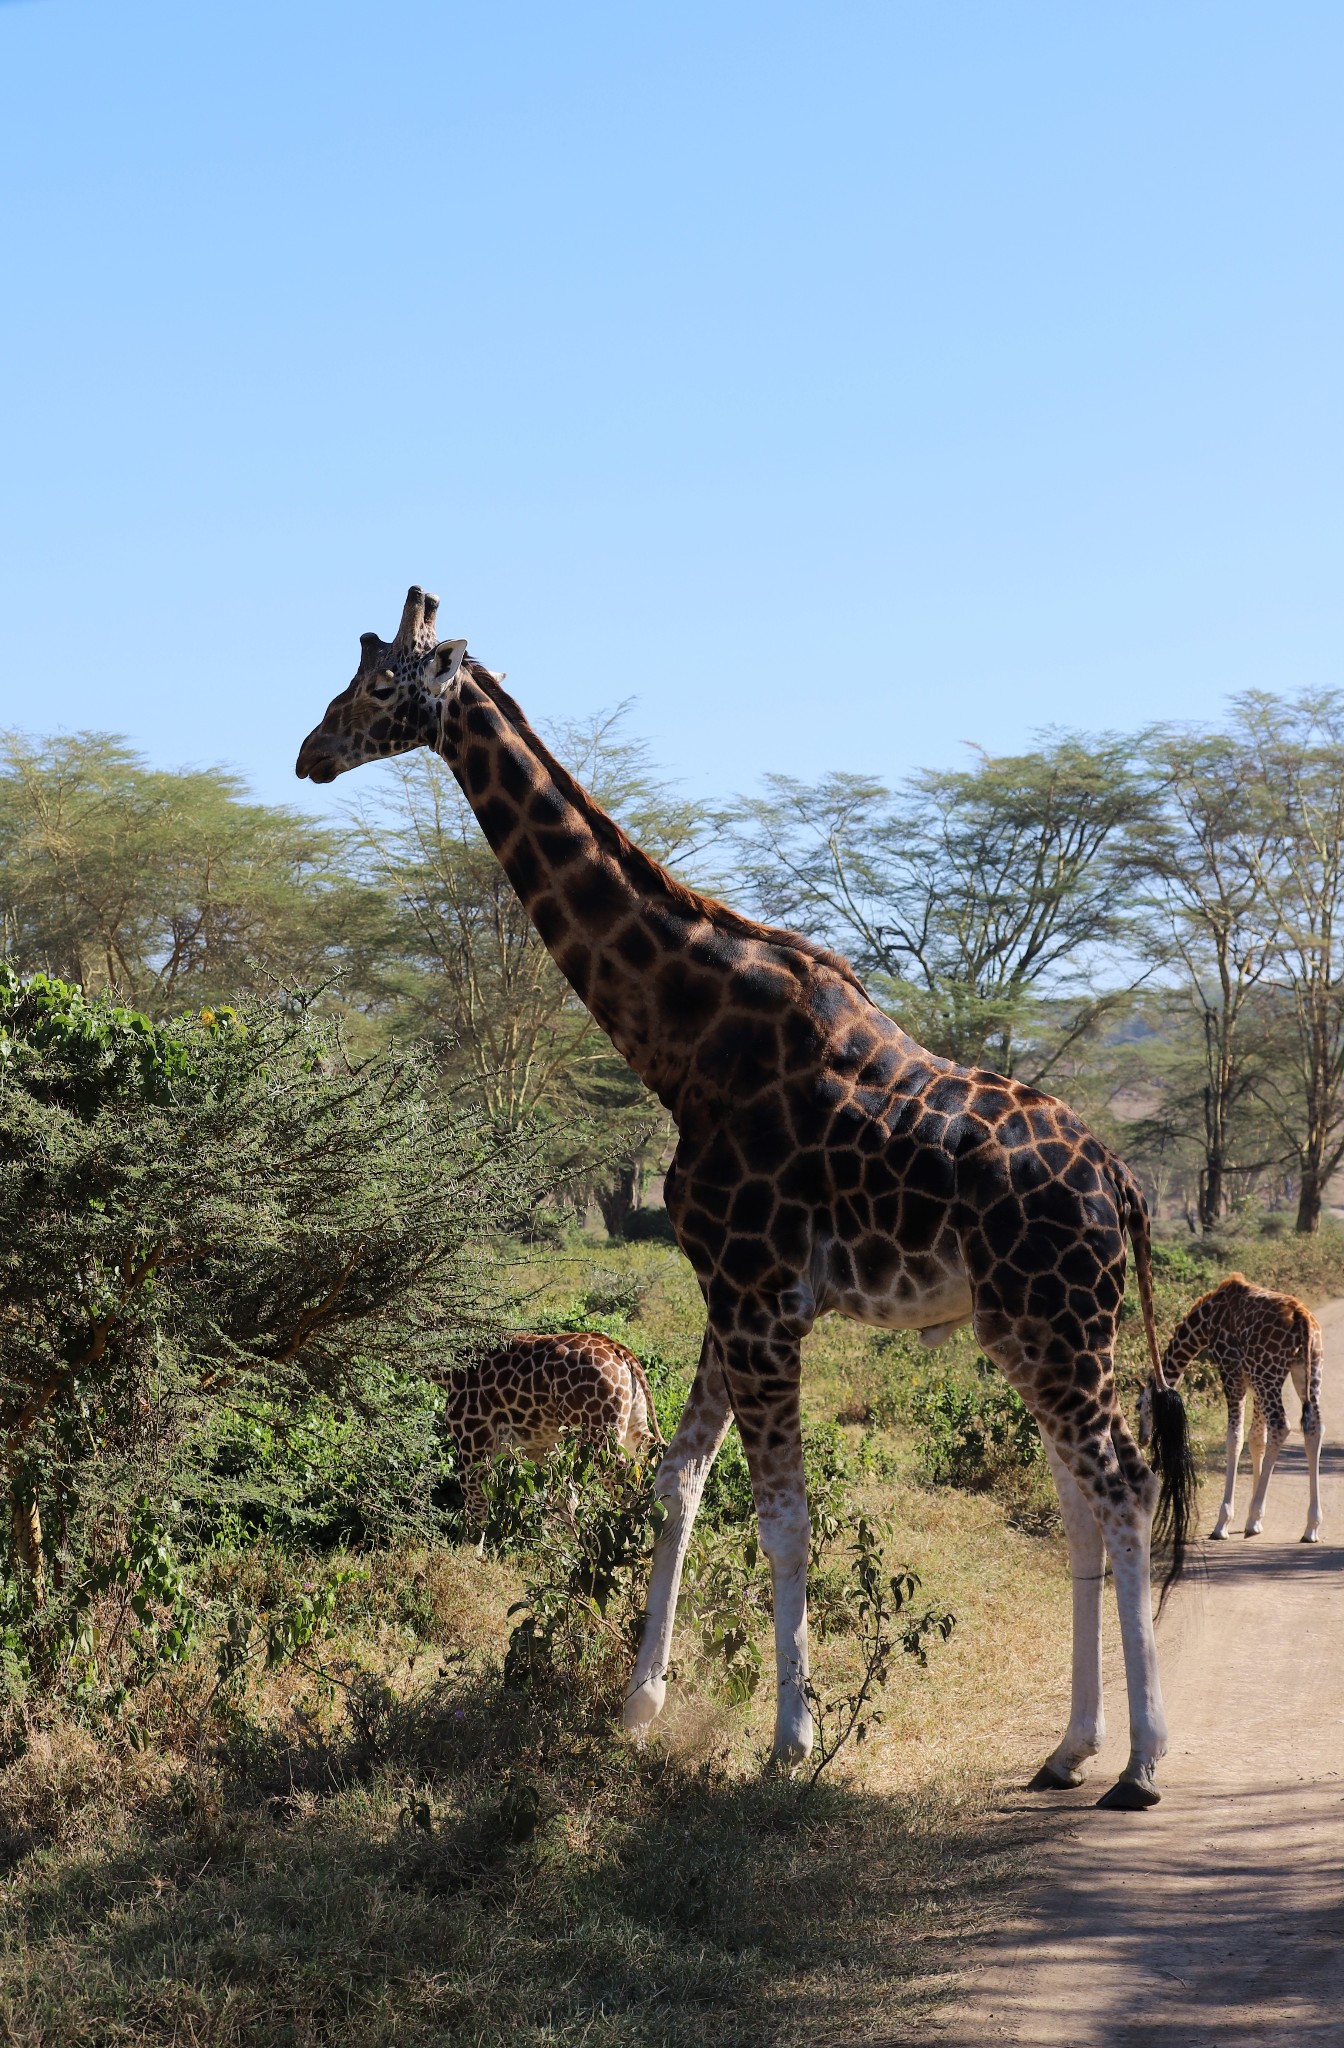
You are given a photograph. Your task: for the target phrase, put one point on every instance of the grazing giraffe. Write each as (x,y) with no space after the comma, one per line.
(1256,1339)
(825,1161)
(535,1390)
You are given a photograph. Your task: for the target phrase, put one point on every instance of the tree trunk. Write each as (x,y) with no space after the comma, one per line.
(616,1198)
(1211,1197)
(1309,1203)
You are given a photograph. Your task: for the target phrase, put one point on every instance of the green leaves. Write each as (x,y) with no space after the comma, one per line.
(597,1518)
(972,1431)
(885,1628)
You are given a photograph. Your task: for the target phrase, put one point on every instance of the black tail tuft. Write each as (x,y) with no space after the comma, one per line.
(1178,1476)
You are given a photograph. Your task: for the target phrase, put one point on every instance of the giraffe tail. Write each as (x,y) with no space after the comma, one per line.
(1173,1458)
(640,1378)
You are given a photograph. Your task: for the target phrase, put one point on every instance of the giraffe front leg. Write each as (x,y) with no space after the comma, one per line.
(1086,1731)
(475,1509)
(679,1485)
(1236,1411)
(763,1372)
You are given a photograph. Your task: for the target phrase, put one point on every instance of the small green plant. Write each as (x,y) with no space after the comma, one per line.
(726,1589)
(874,1460)
(886,1628)
(598,1518)
(153,1601)
(973,1434)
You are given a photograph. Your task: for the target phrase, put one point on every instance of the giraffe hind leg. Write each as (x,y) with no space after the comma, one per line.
(1236,1413)
(1269,1432)
(1308,1384)
(1125,1518)
(1110,1474)
(1064,1767)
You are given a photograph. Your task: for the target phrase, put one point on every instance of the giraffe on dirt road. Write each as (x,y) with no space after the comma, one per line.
(825,1161)
(1256,1339)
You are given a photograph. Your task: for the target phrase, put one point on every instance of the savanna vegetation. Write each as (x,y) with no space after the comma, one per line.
(291,1119)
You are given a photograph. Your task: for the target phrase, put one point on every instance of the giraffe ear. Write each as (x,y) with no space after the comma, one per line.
(447,659)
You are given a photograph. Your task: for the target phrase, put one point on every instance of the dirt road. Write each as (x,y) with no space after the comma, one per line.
(1216,1920)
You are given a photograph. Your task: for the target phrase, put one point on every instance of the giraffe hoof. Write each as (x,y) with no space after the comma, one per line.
(1127,1797)
(1312,1536)
(643,1707)
(1218,1536)
(792,1745)
(1048,1779)
(1253,1528)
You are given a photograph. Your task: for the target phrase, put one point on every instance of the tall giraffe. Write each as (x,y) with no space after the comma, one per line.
(824,1161)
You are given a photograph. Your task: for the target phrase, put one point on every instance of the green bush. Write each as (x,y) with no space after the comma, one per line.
(233,1261)
(1194,1264)
(329,1474)
(578,1623)
(973,1434)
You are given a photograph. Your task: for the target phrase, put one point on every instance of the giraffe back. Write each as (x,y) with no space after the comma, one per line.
(539,1388)
(1251,1333)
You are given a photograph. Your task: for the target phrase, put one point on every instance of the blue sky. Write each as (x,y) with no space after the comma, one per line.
(843,382)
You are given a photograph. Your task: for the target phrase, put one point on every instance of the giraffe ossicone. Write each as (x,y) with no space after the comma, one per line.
(825,1162)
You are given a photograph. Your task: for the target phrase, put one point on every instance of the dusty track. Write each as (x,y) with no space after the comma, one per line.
(1216,1920)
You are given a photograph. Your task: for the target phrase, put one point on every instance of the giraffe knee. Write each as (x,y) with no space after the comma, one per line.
(786,1533)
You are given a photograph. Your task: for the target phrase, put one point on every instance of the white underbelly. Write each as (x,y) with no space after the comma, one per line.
(934,1303)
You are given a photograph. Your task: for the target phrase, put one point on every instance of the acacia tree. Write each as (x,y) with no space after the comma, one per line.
(1296,751)
(978,898)
(1201,854)
(169,888)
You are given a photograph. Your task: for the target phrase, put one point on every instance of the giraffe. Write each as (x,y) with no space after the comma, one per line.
(824,1161)
(1256,1339)
(536,1389)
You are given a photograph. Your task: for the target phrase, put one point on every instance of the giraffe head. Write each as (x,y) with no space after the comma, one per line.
(1146,1392)
(395,701)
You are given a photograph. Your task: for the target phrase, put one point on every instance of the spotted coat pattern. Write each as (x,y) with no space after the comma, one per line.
(1257,1340)
(536,1390)
(825,1161)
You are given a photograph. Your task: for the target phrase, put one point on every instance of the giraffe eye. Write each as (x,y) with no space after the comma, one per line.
(382,691)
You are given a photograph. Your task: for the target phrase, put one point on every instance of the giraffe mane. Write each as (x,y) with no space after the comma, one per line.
(641,866)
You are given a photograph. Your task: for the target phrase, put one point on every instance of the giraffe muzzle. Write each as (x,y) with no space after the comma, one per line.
(318,760)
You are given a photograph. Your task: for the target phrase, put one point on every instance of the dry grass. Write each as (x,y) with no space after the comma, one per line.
(478,1872)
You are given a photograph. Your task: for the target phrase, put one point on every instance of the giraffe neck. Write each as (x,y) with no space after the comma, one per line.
(1192,1333)
(616,924)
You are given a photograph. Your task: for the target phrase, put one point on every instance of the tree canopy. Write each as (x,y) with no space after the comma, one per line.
(1150,925)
